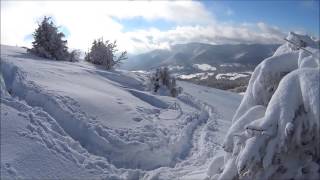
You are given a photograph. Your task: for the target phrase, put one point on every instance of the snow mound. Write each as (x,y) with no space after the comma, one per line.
(275,132)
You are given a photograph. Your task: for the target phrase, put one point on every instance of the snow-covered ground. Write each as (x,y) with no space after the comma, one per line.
(205,74)
(204,67)
(67,120)
(230,65)
(62,120)
(175,68)
(232,76)
(201,76)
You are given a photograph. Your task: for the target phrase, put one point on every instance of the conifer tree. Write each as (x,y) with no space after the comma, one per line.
(48,41)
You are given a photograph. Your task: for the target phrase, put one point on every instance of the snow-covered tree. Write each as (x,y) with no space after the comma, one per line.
(104,53)
(74,55)
(275,133)
(48,41)
(161,80)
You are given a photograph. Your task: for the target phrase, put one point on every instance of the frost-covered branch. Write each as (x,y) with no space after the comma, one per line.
(276,130)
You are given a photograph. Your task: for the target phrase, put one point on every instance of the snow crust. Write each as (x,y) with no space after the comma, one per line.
(275,132)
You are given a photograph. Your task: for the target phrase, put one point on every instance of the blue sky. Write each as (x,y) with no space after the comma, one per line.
(143,25)
(286,14)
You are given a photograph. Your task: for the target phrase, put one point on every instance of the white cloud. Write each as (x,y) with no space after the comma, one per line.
(87,20)
(178,11)
(212,34)
(270,29)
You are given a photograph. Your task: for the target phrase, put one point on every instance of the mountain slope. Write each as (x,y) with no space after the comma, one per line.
(75,120)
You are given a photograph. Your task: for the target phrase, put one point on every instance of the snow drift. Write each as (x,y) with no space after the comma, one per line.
(275,133)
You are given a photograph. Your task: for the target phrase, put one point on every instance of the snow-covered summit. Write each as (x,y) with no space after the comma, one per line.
(275,133)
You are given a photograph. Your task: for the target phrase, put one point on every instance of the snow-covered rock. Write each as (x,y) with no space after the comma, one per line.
(275,133)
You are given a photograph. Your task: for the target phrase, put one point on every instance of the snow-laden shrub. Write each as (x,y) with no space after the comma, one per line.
(74,55)
(48,41)
(104,53)
(275,133)
(162,82)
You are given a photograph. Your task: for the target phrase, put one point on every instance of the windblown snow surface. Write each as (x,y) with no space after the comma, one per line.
(62,120)
(275,133)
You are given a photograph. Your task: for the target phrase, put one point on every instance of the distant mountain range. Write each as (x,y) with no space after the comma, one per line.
(227,67)
(186,55)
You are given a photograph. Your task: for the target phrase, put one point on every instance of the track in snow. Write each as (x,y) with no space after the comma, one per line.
(169,136)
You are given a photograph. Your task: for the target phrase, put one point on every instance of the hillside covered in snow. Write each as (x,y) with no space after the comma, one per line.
(64,120)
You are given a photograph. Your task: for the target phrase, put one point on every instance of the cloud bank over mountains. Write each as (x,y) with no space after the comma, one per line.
(83,21)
